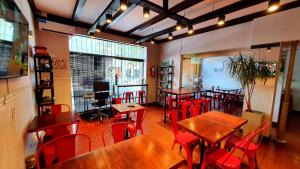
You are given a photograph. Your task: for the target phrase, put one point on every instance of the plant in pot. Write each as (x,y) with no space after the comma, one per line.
(245,70)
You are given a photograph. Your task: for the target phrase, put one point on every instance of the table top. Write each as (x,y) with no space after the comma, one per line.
(212,126)
(125,107)
(180,91)
(42,121)
(139,152)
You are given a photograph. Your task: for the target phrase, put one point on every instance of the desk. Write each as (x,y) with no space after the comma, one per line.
(176,92)
(136,153)
(42,121)
(212,127)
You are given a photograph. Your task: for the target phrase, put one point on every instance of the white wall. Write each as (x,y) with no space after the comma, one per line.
(17,108)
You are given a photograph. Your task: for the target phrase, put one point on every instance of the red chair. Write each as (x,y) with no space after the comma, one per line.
(235,141)
(61,149)
(195,110)
(225,159)
(202,103)
(128,97)
(141,96)
(118,131)
(57,108)
(48,133)
(170,104)
(185,106)
(138,124)
(184,139)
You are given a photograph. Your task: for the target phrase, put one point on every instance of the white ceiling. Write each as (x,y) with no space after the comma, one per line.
(93,8)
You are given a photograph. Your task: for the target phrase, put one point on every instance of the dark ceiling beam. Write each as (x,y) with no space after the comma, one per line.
(240,20)
(33,7)
(177,8)
(162,11)
(77,9)
(70,22)
(166,4)
(208,16)
(112,6)
(118,16)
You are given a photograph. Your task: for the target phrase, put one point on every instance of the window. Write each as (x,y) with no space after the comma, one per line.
(102,60)
(6,30)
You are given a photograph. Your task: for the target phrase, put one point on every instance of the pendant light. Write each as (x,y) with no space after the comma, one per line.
(123,5)
(190,29)
(92,35)
(108,18)
(98,28)
(221,20)
(269,49)
(273,5)
(178,26)
(152,41)
(170,37)
(146,12)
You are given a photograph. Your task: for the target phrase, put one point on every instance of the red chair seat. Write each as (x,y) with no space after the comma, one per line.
(221,156)
(186,138)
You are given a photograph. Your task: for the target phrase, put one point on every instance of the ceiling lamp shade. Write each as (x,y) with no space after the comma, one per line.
(108,18)
(269,49)
(146,12)
(98,28)
(273,5)
(190,30)
(92,35)
(123,5)
(178,26)
(152,41)
(170,37)
(221,20)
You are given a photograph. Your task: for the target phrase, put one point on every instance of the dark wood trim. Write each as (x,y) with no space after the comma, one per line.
(77,9)
(33,7)
(208,16)
(275,44)
(166,4)
(177,8)
(240,20)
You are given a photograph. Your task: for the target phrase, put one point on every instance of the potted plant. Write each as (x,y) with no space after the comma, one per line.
(244,69)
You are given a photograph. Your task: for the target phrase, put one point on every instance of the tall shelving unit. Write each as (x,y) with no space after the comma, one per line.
(165,75)
(44,81)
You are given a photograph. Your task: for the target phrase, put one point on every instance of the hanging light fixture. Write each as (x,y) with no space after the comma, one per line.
(29,34)
(98,28)
(178,26)
(273,5)
(92,35)
(152,41)
(170,37)
(123,5)
(269,49)
(146,12)
(108,18)
(190,29)
(221,20)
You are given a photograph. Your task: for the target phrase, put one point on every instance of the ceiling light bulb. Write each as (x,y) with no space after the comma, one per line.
(152,41)
(108,18)
(146,12)
(190,30)
(178,26)
(273,5)
(269,49)
(221,20)
(170,37)
(123,5)
(98,28)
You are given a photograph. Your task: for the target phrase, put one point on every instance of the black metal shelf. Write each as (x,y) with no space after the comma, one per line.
(164,72)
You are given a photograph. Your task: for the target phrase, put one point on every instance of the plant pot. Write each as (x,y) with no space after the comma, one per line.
(255,118)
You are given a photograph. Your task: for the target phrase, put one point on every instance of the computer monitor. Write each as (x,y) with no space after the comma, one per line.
(101,86)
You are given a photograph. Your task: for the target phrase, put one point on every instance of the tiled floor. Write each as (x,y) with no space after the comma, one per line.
(270,155)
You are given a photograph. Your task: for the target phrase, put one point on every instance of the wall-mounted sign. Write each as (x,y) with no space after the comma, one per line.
(60,63)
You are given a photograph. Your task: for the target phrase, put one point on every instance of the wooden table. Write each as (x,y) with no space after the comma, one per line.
(139,152)
(42,121)
(212,127)
(125,107)
(176,92)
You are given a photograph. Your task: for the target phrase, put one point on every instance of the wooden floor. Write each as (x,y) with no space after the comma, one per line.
(270,155)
